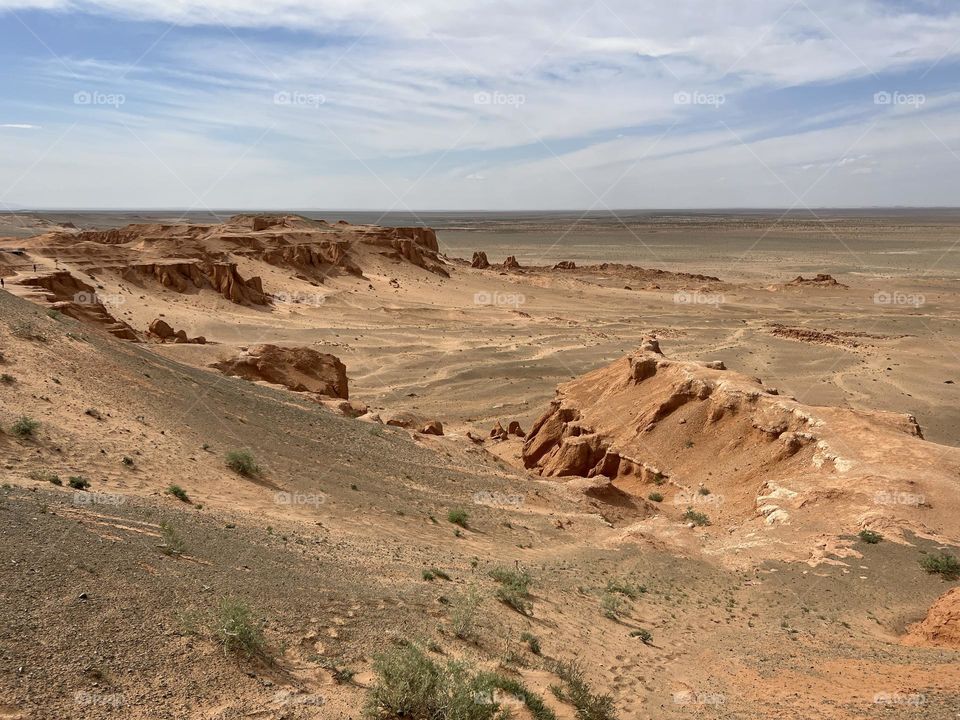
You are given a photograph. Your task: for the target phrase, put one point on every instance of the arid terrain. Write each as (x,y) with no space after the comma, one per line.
(250,460)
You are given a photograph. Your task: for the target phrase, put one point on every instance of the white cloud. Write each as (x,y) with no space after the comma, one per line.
(19,126)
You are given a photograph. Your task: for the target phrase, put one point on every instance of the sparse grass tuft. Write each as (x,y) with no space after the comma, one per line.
(703,491)
(27,330)
(78,482)
(589,705)
(532,641)
(458,517)
(24,426)
(172,542)
(870,537)
(697,518)
(242,463)
(646,637)
(463,614)
(655,497)
(179,493)
(45,476)
(411,685)
(621,586)
(514,588)
(943,564)
(237,631)
(611,605)
(7,379)
(127,460)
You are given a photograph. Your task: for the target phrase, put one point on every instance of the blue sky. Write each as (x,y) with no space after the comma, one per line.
(443,104)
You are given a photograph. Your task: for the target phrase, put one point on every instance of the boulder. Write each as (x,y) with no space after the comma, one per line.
(161,329)
(514,429)
(565,265)
(298,368)
(433,427)
(497,432)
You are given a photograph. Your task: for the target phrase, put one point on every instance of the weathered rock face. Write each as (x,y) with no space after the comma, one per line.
(76,299)
(321,256)
(821,280)
(297,368)
(417,246)
(565,265)
(220,276)
(747,457)
(480,260)
(511,263)
(941,626)
(161,331)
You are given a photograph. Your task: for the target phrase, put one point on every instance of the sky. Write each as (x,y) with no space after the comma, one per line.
(413,105)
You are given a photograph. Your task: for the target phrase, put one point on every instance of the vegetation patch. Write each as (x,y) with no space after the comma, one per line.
(943,564)
(242,463)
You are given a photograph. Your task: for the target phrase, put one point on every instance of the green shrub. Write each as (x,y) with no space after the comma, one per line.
(532,641)
(46,476)
(437,572)
(658,478)
(655,497)
(179,493)
(514,588)
(78,482)
(24,426)
(618,585)
(172,542)
(427,575)
(458,517)
(411,685)
(236,629)
(611,605)
(697,518)
(589,705)
(242,463)
(7,379)
(646,637)
(463,614)
(943,564)
(703,491)
(870,537)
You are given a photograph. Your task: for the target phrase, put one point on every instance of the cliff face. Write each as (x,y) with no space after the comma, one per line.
(722,444)
(78,300)
(220,276)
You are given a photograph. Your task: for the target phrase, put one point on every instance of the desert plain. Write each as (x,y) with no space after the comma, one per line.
(710,458)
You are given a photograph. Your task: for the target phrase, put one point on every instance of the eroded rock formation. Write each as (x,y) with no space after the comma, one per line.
(298,368)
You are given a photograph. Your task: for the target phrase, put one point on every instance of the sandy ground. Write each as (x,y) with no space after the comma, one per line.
(92,606)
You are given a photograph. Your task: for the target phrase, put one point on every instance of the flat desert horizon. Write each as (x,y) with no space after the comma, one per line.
(584,463)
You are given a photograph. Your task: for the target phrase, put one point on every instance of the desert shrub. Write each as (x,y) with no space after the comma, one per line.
(7,379)
(870,537)
(179,493)
(589,705)
(24,426)
(78,482)
(427,575)
(655,497)
(697,518)
(463,614)
(127,460)
(646,637)
(703,491)
(437,572)
(532,641)
(611,605)
(514,588)
(659,479)
(242,463)
(172,542)
(46,476)
(94,413)
(27,330)
(54,313)
(237,630)
(411,685)
(621,586)
(458,517)
(341,675)
(942,563)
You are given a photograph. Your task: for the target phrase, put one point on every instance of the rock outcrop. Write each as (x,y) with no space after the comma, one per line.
(821,280)
(565,265)
(480,260)
(76,299)
(161,331)
(298,368)
(724,444)
(941,626)
(222,277)
(511,263)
